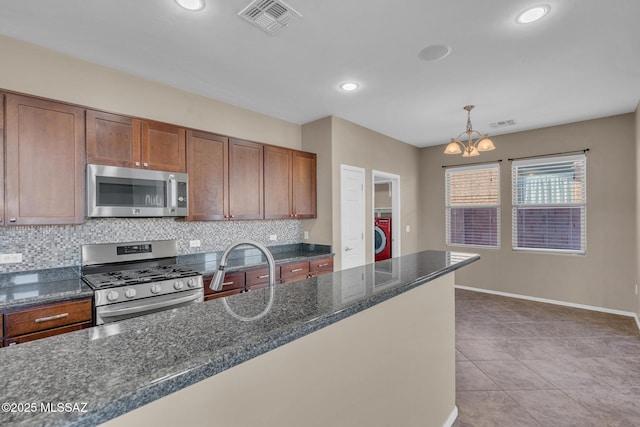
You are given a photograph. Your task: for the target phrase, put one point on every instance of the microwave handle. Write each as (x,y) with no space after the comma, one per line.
(173,193)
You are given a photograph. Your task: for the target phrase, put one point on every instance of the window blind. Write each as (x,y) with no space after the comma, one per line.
(473,205)
(549,204)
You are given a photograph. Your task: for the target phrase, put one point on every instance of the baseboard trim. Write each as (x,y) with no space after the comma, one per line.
(452,417)
(553,301)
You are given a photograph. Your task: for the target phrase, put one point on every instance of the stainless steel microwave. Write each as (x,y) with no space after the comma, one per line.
(126,192)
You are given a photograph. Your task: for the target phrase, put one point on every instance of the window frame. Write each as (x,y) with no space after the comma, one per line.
(448,206)
(543,162)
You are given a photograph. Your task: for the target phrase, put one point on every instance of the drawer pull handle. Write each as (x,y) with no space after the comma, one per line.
(295,270)
(227,283)
(264,276)
(323,265)
(55,317)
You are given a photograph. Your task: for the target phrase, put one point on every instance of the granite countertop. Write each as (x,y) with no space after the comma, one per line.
(40,287)
(24,289)
(105,371)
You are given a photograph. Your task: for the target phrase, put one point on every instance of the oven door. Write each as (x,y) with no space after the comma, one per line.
(125,310)
(125,192)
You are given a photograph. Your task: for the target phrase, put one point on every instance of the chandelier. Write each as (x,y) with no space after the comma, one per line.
(469,147)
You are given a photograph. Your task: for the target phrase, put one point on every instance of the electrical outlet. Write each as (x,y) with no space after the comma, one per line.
(636,289)
(10,258)
(194,243)
(408,229)
(273,237)
(306,235)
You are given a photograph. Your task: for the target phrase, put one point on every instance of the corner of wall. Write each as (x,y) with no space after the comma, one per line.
(637,129)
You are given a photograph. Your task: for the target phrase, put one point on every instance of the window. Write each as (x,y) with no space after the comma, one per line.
(549,204)
(473,205)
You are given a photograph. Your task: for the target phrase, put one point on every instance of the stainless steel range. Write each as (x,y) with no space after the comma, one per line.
(137,278)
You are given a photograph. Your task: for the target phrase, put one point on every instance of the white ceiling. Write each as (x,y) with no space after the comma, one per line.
(581,61)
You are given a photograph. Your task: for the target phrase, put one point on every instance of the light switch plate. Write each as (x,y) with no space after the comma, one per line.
(273,237)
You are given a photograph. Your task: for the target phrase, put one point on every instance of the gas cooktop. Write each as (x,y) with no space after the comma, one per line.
(131,277)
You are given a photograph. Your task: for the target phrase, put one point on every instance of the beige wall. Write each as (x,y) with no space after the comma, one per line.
(637,129)
(37,71)
(606,275)
(344,142)
(382,196)
(316,138)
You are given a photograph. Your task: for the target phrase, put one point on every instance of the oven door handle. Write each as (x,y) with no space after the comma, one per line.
(172,189)
(141,309)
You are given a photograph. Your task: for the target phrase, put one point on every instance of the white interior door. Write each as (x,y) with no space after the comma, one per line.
(352,216)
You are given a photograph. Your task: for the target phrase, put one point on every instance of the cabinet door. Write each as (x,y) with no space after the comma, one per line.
(163,147)
(113,140)
(277,183)
(304,184)
(245,180)
(207,156)
(45,152)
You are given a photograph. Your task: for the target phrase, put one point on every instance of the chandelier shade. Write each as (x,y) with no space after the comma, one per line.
(475,141)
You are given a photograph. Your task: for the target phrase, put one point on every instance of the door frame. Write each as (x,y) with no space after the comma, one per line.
(361,171)
(378,177)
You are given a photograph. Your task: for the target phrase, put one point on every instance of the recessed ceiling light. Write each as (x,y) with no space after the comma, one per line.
(533,14)
(349,86)
(191,4)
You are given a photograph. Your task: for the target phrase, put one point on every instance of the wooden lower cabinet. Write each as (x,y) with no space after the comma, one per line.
(28,324)
(258,278)
(233,284)
(294,271)
(320,266)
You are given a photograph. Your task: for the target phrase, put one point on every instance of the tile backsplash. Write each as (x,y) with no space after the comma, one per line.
(56,246)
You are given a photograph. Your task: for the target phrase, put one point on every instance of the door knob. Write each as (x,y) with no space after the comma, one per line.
(347,249)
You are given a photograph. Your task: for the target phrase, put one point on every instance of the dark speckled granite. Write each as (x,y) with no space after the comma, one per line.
(119,367)
(41,286)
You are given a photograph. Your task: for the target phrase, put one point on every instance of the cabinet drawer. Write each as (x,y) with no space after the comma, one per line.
(47,333)
(321,266)
(260,276)
(294,271)
(221,294)
(47,317)
(234,280)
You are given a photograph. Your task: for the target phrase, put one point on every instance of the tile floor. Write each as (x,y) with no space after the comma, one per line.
(524,363)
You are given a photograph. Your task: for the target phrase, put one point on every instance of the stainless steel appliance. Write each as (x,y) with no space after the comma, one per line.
(126,192)
(137,278)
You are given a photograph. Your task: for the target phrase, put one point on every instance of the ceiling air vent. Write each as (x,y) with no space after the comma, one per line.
(269,15)
(502,124)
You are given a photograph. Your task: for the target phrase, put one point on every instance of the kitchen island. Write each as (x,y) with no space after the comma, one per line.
(372,345)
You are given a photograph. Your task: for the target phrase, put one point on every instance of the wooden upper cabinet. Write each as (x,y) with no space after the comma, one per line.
(246,188)
(278,196)
(113,140)
(289,183)
(207,158)
(117,140)
(45,152)
(304,185)
(163,147)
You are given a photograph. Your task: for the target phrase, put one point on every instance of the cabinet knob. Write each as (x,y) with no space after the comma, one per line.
(146,165)
(12,220)
(137,163)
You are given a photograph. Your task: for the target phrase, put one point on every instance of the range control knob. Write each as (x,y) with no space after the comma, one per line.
(130,293)
(178,285)
(191,283)
(112,295)
(155,288)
